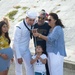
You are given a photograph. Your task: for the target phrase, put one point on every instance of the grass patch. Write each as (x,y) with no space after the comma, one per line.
(24,8)
(11,14)
(17,7)
(57,11)
(63,0)
(24,12)
(58,5)
(20,19)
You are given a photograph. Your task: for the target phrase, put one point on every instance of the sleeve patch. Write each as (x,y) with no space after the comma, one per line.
(18,27)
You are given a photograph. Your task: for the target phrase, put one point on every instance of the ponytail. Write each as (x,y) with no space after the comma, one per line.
(58,22)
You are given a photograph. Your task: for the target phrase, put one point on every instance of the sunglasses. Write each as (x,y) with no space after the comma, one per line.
(49,20)
(41,18)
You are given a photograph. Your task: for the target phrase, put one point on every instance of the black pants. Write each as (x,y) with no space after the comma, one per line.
(47,69)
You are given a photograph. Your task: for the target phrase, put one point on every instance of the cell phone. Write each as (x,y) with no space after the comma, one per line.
(34,30)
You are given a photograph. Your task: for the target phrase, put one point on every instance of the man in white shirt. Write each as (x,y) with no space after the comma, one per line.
(21,44)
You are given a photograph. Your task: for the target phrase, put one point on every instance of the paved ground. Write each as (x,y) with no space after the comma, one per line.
(66,71)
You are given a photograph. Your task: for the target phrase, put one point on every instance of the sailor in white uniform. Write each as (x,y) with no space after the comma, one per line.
(21,44)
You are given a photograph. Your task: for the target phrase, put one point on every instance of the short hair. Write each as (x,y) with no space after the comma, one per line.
(42,13)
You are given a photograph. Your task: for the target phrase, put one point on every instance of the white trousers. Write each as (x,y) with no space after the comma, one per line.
(55,63)
(26,60)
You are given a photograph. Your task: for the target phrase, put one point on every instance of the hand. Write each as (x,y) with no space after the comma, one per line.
(40,58)
(4,56)
(0,54)
(36,34)
(37,56)
(12,60)
(20,60)
(34,30)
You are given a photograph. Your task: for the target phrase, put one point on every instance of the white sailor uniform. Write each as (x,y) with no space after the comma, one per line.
(21,48)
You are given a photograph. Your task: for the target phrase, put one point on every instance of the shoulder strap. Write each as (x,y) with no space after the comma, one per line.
(28,29)
(26,25)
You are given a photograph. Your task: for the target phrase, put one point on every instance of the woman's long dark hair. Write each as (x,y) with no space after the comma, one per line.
(58,21)
(6,34)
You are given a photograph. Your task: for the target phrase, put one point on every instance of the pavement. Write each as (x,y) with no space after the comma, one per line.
(67,71)
(69,61)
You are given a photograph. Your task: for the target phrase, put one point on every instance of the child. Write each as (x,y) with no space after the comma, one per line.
(39,61)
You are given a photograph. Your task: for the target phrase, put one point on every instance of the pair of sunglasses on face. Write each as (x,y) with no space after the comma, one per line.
(41,18)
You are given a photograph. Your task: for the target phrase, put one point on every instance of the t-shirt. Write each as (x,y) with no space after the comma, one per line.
(43,29)
(38,65)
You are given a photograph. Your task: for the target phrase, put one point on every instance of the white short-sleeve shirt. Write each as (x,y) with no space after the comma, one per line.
(38,65)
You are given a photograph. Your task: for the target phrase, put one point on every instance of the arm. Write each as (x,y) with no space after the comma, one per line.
(42,36)
(54,35)
(17,37)
(43,60)
(34,59)
(4,56)
(36,34)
